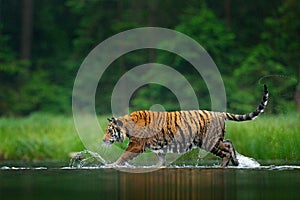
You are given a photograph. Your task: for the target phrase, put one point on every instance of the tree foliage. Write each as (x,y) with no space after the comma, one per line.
(249,47)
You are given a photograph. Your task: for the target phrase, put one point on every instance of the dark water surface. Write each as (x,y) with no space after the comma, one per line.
(170,183)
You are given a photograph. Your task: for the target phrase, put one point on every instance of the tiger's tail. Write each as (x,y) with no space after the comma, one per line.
(254,114)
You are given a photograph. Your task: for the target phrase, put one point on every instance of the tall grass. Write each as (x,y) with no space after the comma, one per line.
(267,137)
(38,137)
(52,137)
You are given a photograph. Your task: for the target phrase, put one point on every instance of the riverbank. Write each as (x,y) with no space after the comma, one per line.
(47,137)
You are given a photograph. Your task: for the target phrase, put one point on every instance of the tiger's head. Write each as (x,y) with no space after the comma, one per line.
(114,131)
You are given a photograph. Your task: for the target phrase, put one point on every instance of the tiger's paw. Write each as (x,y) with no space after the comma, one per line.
(111,165)
(162,167)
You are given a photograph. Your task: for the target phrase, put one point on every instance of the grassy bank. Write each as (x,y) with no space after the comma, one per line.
(267,137)
(51,137)
(38,137)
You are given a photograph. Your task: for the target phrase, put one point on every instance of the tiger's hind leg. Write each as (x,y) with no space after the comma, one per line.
(229,146)
(225,150)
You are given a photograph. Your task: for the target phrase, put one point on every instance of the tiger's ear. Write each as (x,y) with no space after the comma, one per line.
(111,120)
(115,121)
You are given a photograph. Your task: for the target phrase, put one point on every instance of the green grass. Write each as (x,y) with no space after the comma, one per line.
(38,137)
(51,138)
(267,137)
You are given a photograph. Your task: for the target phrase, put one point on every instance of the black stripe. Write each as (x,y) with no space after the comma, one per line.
(205,113)
(216,148)
(241,117)
(147,117)
(144,114)
(165,142)
(265,98)
(199,133)
(160,117)
(201,119)
(185,124)
(189,124)
(229,116)
(179,128)
(194,120)
(248,117)
(213,129)
(261,106)
(140,114)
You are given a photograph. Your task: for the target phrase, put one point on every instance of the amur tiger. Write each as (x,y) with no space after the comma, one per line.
(176,132)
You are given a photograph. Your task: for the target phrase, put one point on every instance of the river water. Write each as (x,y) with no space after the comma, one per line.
(205,182)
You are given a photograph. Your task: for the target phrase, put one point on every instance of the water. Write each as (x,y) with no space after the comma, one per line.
(246,162)
(90,159)
(88,178)
(86,158)
(170,183)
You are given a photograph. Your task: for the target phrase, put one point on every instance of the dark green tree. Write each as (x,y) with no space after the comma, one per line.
(275,59)
(201,24)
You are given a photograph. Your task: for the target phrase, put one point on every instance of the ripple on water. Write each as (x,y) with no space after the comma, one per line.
(262,167)
(89,160)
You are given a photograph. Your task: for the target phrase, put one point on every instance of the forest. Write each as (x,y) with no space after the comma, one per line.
(43,43)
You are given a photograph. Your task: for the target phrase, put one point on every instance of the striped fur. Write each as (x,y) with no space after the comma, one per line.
(176,132)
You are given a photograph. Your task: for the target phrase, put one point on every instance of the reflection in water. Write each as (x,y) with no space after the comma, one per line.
(175,183)
(207,184)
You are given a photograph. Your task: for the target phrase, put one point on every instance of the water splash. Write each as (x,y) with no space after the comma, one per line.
(86,158)
(246,162)
(92,159)
(22,168)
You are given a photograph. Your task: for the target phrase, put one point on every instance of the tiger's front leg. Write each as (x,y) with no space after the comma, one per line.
(133,150)
(161,160)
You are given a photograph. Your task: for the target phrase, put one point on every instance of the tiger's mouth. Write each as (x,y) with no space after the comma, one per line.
(108,141)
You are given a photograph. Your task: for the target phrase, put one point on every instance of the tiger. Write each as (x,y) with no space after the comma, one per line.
(176,132)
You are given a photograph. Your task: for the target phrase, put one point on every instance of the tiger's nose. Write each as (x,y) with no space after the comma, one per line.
(104,139)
